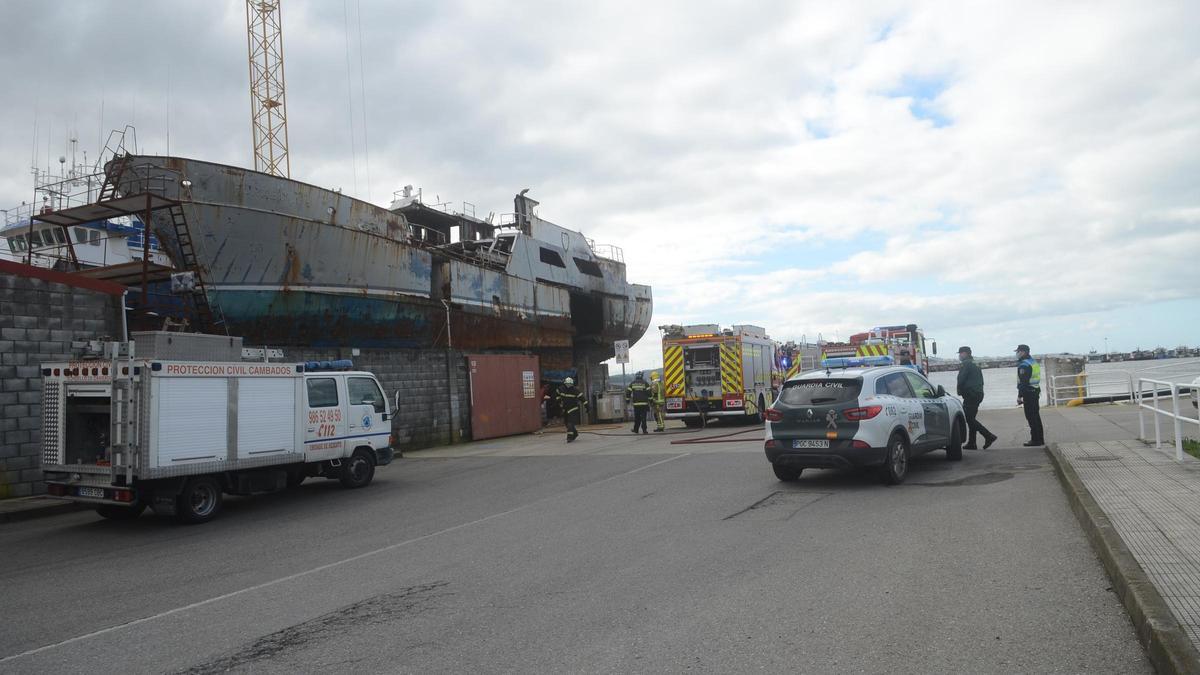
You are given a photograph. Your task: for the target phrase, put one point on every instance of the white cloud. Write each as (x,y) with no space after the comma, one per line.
(758,164)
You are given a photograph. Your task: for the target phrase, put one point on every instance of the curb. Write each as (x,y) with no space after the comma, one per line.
(1168,646)
(40,511)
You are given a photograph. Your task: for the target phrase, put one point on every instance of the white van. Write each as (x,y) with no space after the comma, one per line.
(124,434)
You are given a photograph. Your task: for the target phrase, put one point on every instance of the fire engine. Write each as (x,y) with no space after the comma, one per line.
(905,344)
(709,371)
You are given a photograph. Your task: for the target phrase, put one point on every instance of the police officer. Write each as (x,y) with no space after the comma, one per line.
(658,401)
(571,401)
(970,388)
(638,392)
(1029,393)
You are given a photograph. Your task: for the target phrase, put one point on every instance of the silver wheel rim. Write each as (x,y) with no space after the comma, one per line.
(203,499)
(899,458)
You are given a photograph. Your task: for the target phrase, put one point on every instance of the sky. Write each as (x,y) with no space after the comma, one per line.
(994,172)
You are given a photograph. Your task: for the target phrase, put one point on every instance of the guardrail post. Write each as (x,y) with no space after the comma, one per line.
(1157,424)
(1178,430)
(1140,406)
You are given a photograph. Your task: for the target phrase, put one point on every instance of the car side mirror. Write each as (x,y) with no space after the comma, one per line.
(941,391)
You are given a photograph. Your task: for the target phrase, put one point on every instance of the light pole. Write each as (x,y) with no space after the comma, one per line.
(1106,346)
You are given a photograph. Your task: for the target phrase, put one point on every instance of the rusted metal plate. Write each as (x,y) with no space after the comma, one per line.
(505,394)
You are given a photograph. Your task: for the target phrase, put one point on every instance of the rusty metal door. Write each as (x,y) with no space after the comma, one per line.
(505,394)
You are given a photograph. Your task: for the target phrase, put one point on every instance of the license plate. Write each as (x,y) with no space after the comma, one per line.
(810,444)
(98,493)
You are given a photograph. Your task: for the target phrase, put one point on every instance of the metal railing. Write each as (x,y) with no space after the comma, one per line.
(1175,390)
(1117,384)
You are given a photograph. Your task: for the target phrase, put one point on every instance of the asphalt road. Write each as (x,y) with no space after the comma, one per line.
(612,554)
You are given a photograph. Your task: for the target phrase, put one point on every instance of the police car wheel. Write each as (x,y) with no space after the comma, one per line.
(358,470)
(786,474)
(954,450)
(895,464)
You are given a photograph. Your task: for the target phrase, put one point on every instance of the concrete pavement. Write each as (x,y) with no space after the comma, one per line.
(614,553)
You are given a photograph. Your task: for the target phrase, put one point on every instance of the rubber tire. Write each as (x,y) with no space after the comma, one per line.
(757,417)
(786,474)
(113,512)
(199,501)
(295,477)
(891,474)
(692,422)
(358,469)
(954,450)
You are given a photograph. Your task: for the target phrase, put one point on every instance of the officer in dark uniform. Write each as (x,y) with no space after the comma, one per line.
(970,388)
(571,401)
(1029,393)
(638,392)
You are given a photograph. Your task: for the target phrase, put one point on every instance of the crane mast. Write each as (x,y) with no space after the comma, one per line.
(268,109)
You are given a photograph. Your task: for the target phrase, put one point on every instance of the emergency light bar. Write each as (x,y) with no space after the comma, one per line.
(318,366)
(857,362)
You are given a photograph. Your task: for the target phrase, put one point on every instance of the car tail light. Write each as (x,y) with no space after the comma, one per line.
(773,415)
(858,414)
(771,443)
(862,445)
(123,495)
(56,489)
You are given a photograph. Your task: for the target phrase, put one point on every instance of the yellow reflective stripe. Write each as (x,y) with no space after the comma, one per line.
(731,369)
(673,370)
(872,350)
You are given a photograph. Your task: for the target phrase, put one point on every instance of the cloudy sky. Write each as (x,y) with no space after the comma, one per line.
(996,172)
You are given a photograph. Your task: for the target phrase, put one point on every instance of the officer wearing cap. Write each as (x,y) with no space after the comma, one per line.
(1029,393)
(970,388)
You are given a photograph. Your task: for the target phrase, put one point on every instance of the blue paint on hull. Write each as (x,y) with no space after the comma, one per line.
(324,320)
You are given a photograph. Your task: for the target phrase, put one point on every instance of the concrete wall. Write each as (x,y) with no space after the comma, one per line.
(39,319)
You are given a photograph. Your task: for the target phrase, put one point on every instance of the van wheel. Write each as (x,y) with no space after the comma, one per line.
(358,470)
(895,464)
(954,450)
(113,512)
(295,477)
(786,474)
(200,500)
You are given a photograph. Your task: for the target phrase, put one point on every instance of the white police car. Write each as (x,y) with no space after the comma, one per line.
(843,417)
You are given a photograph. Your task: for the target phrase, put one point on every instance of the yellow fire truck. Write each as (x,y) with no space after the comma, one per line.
(906,346)
(709,371)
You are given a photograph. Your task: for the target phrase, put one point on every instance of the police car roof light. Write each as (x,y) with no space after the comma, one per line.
(857,362)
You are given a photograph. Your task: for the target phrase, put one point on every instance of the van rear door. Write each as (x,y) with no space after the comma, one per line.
(325,432)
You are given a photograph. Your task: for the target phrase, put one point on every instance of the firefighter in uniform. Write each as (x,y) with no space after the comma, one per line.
(1029,393)
(657,401)
(638,393)
(571,401)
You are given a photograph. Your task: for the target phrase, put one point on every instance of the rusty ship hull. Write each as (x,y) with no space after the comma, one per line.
(288,263)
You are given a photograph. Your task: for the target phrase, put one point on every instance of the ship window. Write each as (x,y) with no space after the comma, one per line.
(322,392)
(588,267)
(95,241)
(552,258)
(16,243)
(35,239)
(81,235)
(58,235)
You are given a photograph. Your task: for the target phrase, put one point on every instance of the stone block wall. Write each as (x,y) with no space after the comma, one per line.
(39,318)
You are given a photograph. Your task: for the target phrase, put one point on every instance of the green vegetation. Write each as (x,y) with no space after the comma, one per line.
(1192,447)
